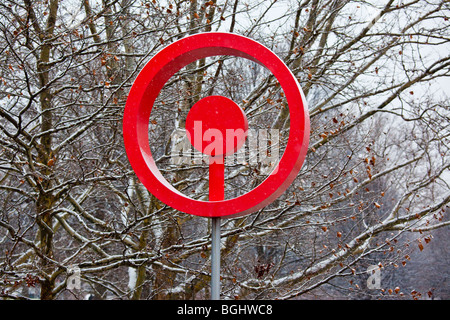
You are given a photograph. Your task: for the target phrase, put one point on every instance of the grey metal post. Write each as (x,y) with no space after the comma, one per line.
(215,259)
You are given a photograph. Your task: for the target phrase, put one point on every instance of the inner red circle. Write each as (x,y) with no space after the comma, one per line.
(216,126)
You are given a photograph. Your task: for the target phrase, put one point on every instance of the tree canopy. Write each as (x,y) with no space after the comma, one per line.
(372,190)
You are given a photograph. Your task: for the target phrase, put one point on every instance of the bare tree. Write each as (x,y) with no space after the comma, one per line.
(374,184)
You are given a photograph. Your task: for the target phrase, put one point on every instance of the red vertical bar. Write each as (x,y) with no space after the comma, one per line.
(216,178)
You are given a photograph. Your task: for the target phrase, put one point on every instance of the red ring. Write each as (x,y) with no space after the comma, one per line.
(146,89)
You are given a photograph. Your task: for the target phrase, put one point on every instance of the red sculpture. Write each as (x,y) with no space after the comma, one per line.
(226,115)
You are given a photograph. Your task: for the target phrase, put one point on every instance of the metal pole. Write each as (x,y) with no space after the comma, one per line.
(215,259)
(216,193)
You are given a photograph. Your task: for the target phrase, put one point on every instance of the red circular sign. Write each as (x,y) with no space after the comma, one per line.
(146,89)
(219,121)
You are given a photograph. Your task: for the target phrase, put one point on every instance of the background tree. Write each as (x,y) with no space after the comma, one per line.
(373,188)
